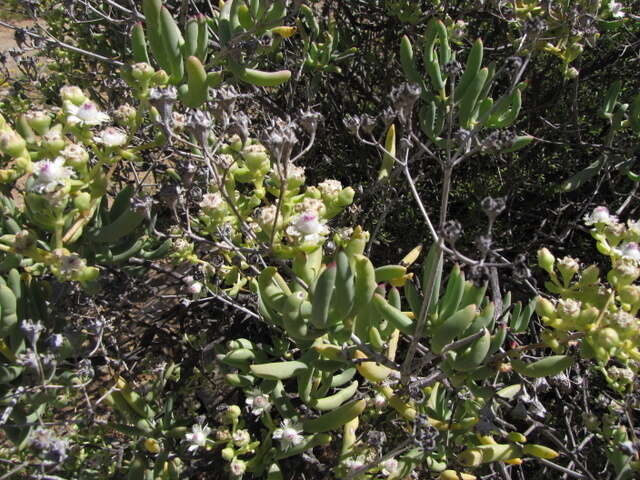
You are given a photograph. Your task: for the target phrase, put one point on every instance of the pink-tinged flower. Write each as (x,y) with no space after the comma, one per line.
(194,288)
(258,403)
(616,9)
(211,201)
(111,137)
(390,467)
(198,437)
(237,467)
(288,434)
(49,175)
(85,114)
(307,227)
(631,251)
(600,215)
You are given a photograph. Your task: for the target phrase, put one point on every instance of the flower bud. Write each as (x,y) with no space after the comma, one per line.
(232,413)
(630,294)
(152,445)
(88,274)
(38,120)
(546,260)
(75,156)
(256,158)
(159,79)
(235,143)
(588,316)
(228,453)
(53,141)
(125,115)
(544,308)
(11,143)
(82,201)
(572,73)
(567,267)
(607,338)
(142,71)
(73,94)
(241,438)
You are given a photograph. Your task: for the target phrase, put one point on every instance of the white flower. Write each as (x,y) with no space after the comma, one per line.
(288,434)
(75,153)
(311,205)
(390,467)
(267,215)
(353,465)
(86,114)
(630,250)
(379,401)
(70,263)
(72,94)
(241,437)
(634,227)
(258,403)
(600,215)
(616,9)
(50,174)
(211,201)
(330,188)
(111,137)
(197,437)
(194,288)
(307,227)
(459,30)
(237,467)
(295,173)
(124,113)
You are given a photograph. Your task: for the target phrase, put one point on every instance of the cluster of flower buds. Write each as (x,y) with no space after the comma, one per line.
(603,314)
(278,210)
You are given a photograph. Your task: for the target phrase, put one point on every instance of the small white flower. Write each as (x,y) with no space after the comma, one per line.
(569,307)
(72,93)
(211,201)
(616,9)
(75,153)
(266,215)
(353,465)
(459,30)
(258,403)
(50,174)
(124,113)
(241,437)
(70,263)
(633,227)
(198,437)
(311,205)
(237,467)
(85,114)
(295,173)
(111,137)
(600,215)
(379,401)
(330,188)
(630,251)
(307,227)
(194,288)
(390,467)
(288,434)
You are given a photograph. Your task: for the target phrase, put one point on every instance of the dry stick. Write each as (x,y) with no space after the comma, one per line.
(560,468)
(63,45)
(562,447)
